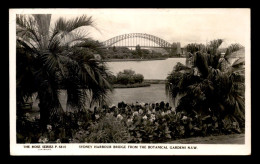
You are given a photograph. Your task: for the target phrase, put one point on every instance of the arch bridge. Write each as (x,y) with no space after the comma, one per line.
(133,39)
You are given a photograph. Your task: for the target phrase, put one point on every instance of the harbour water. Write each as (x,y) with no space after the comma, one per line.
(151,69)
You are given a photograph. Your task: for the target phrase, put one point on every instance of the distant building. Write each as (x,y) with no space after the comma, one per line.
(179,48)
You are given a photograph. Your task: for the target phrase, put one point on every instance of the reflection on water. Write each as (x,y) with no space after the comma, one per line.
(153,69)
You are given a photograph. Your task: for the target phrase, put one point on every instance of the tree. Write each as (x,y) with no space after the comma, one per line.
(138,78)
(210,83)
(173,51)
(54,58)
(138,50)
(128,76)
(194,47)
(114,49)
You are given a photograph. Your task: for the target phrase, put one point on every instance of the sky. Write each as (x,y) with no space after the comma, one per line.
(173,25)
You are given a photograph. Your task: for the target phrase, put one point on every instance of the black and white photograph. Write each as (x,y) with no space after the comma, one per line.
(128,81)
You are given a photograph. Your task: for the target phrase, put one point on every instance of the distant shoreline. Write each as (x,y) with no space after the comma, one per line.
(121,60)
(137,85)
(146,83)
(154,81)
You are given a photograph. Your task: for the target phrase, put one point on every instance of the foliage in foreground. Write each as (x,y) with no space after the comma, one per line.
(50,58)
(127,123)
(210,83)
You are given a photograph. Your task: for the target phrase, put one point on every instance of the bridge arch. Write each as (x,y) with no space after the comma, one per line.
(112,41)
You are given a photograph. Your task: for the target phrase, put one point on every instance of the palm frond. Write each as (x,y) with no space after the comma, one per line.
(231,49)
(213,46)
(181,67)
(73,38)
(194,47)
(238,65)
(27,29)
(178,82)
(77,98)
(26,45)
(64,26)
(54,46)
(52,64)
(56,109)
(90,72)
(201,62)
(43,24)
(102,79)
(200,89)
(99,95)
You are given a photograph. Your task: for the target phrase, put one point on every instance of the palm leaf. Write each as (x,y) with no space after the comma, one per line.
(54,46)
(213,46)
(43,23)
(27,29)
(90,72)
(231,49)
(201,62)
(26,45)
(238,67)
(76,97)
(52,63)
(181,67)
(238,63)
(73,38)
(64,27)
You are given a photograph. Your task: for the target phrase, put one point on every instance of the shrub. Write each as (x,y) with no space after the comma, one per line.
(127,123)
(129,76)
(28,128)
(112,78)
(138,78)
(108,130)
(124,79)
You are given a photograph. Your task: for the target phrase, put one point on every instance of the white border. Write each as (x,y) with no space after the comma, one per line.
(73,149)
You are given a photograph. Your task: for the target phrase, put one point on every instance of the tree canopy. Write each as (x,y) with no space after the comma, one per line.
(59,57)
